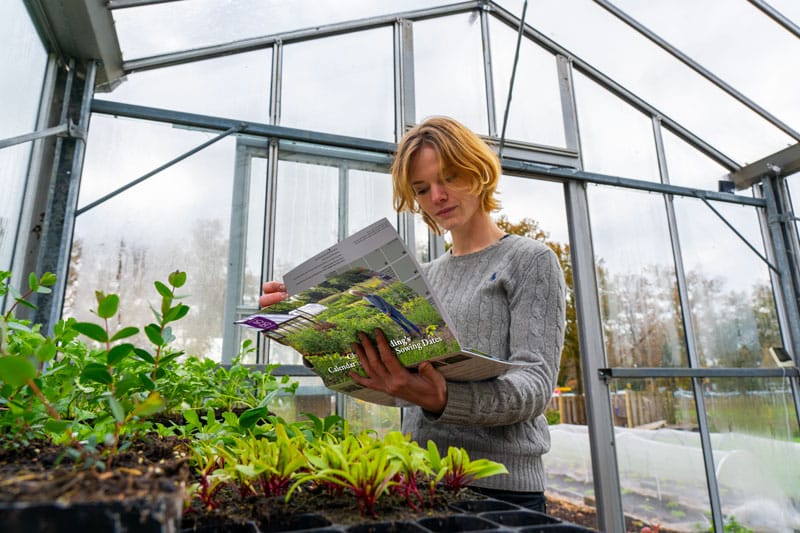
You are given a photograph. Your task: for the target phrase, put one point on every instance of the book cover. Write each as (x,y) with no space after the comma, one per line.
(369,280)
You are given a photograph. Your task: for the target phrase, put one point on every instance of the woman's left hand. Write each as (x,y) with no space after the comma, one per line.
(426,388)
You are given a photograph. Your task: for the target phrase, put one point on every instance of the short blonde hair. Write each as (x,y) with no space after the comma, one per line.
(460,151)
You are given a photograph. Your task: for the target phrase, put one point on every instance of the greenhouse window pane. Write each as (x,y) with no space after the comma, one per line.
(642,321)
(449,80)
(342,84)
(201,23)
(756,444)
(369,199)
(535,114)
(659,455)
(22,63)
(176,220)
(730,294)
(363,416)
(568,465)
(640,66)
(688,167)
(615,138)
(235,86)
(306,221)
(749,64)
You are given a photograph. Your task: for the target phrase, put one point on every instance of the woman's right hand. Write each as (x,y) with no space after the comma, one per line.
(272,292)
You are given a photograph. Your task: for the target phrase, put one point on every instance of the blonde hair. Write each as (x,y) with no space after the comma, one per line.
(460,151)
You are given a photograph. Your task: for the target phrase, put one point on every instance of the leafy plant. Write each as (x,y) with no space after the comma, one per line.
(457,471)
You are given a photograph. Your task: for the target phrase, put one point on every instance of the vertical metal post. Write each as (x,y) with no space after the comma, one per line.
(63,193)
(689,335)
(270,192)
(405,107)
(237,249)
(344,192)
(599,416)
(488,72)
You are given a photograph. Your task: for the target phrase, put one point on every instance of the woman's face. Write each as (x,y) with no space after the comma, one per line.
(450,207)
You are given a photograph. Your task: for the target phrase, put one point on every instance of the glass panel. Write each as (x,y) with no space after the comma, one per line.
(449,80)
(659,455)
(730,295)
(306,221)
(568,466)
(307,213)
(342,84)
(756,443)
(748,64)
(177,219)
(422,238)
(536,103)
(235,86)
(254,247)
(619,52)
(636,273)
(688,167)
(201,23)
(368,416)
(369,199)
(22,63)
(615,138)
(310,397)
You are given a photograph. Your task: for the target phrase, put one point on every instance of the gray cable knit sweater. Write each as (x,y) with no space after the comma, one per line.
(506,300)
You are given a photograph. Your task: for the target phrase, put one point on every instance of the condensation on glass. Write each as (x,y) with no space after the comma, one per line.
(730,295)
(177,219)
(637,284)
(23,64)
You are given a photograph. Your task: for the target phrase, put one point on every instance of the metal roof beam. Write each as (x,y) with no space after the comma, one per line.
(781,164)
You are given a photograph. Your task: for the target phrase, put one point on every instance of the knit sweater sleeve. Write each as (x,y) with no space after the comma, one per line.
(531,286)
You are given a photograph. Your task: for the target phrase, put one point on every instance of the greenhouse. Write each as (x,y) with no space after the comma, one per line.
(166,157)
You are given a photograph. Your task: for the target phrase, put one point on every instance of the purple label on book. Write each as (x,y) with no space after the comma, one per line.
(260,322)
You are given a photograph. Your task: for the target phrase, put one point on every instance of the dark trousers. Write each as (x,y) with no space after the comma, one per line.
(535,501)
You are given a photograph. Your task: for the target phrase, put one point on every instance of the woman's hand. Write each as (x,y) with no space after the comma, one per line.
(272,293)
(426,388)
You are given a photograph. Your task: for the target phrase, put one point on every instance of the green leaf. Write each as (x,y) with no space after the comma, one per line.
(46,351)
(107,307)
(118,353)
(56,426)
(176,313)
(169,357)
(251,416)
(146,382)
(177,279)
(153,333)
(163,290)
(91,330)
(124,385)
(129,331)
(33,281)
(96,372)
(116,409)
(144,355)
(48,279)
(16,371)
(25,303)
(152,405)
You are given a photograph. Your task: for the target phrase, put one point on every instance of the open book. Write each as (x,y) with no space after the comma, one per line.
(369,280)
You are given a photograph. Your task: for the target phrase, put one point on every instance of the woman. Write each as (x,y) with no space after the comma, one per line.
(505,296)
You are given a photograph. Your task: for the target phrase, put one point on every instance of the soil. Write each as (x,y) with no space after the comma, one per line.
(41,472)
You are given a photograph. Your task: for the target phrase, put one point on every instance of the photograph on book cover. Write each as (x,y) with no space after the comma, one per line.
(322,322)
